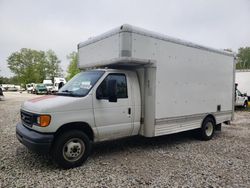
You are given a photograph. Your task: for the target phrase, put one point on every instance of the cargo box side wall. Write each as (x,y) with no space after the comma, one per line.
(192,81)
(189,81)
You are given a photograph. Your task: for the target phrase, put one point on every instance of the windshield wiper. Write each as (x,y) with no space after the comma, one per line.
(66,92)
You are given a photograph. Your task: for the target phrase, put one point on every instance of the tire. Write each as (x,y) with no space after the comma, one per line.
(207,129)
(71,149)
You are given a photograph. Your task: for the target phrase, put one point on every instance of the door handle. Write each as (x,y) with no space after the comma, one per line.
(129,111)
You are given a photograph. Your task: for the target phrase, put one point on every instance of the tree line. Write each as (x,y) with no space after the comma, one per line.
(243,58)
(33,66)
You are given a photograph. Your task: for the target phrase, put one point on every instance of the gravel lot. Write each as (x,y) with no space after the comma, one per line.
(176,160)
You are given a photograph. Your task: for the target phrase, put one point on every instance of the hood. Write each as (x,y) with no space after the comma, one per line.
(55,103)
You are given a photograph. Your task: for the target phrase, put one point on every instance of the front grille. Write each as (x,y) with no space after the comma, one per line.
(28,118)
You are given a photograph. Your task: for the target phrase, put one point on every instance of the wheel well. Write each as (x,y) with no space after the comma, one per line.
(81,126)
(210,116)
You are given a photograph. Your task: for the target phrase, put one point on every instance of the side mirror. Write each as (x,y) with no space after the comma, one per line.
(245,94)
(112,91)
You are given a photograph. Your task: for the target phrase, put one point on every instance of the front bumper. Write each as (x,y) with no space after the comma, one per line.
(38,142)
(42,92)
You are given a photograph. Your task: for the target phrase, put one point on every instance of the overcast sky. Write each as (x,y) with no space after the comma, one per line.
(61,24)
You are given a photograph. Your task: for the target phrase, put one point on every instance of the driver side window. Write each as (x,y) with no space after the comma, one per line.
(102,90)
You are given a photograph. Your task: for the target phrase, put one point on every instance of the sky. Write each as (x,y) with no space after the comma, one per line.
(61,24)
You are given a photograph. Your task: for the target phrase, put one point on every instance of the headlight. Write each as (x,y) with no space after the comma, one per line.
(43,120)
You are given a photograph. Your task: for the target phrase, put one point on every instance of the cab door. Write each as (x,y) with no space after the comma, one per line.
(239,98)
(113,119)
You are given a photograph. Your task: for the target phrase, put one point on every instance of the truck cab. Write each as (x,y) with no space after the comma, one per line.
(49,85)
(58,83)
(30,87)
(100,104)
(241,100)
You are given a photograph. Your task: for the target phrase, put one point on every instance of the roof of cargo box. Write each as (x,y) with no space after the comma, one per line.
(137,30)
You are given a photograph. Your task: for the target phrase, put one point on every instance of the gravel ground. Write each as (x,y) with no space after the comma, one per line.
(170,161)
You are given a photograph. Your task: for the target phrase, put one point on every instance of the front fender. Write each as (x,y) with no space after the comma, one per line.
(60,118)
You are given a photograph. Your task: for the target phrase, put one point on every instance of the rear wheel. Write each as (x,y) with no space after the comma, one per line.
(207,129)
(71,149)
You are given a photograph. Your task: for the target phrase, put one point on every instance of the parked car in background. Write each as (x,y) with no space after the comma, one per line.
(40,89)
(13,88)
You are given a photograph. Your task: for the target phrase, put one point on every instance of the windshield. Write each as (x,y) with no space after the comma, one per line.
(80,84)
(48,84)
(40,86)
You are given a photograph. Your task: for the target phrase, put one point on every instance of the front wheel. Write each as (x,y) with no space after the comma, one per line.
(71,149)
(207,129)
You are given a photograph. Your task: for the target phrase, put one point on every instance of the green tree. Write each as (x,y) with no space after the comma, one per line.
(243,58)
(53,68)
(4,80)
(72,68)
(33,66)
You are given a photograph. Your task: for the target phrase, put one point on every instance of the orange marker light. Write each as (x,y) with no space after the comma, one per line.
(44,120)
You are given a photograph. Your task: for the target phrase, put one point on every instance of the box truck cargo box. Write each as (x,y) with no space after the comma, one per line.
(136,82)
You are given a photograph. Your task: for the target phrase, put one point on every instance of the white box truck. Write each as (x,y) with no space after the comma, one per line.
(58,83)
(242,78)
(135,82)
(242,81)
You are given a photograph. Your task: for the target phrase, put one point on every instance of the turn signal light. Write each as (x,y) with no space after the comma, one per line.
(44,120)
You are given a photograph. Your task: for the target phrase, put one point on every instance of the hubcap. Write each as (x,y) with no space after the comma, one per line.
(209,129)
(73,149)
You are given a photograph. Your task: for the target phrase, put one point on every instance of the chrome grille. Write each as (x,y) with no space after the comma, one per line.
(27,118)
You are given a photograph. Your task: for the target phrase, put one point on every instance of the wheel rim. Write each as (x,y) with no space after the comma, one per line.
(209,129)
(73,150)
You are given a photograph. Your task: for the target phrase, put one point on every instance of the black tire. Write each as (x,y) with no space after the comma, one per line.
(206,132)
(73,139)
